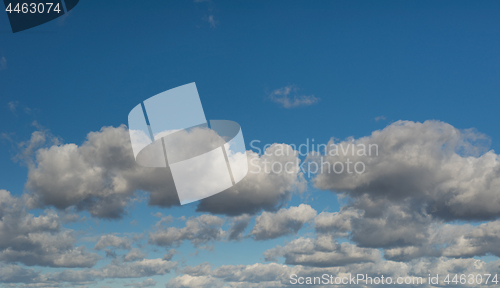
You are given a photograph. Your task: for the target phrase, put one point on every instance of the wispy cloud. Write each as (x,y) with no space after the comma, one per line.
(210,19)
(3,63)
(378,118)
(284,97)
(13,105)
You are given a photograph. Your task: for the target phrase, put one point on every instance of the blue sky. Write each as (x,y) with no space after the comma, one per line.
(370,64)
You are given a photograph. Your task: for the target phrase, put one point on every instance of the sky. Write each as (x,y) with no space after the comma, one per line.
(417,78)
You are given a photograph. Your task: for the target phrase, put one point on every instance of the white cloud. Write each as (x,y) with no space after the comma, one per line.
(101,176)
(3,63)
(200,230)
(277,275)
(18,274)
(396,225)
(259,189)
(96,176)
(187,281)
(13,105)
(200,269)
(337,223)
(254,273)
(406,234)
(443,170)
(234,275)
(453,241)
(170,254)
(424,174)
(37,240)
(146,283)
(142,268)
(135,254)
(283,97)
(212,21)
(286,221)
(263,275)
(239,224)
(113,241)
(137,269)
(321,252)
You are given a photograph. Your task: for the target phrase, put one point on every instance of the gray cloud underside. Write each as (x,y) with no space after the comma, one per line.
(101,176)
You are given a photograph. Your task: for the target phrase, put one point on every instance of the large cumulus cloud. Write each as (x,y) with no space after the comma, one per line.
(442,169)
(424,176)
(101,176)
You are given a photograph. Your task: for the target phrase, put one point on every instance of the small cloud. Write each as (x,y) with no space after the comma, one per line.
(210,18)
(3,63)
(212,21)
(13,105)
(283,96)
(379,118)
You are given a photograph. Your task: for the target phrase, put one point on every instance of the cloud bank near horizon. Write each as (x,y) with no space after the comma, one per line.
(414,211)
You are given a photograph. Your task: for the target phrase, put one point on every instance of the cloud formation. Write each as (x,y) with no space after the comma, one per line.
(239,224)
(285,221)
(321,252)
(278,275)
(445,171)
(399,216)
(146,283)
(259,190)
(137,269)
(113,241)
(199,230)
(101,176)
(37,240)
(13,105)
